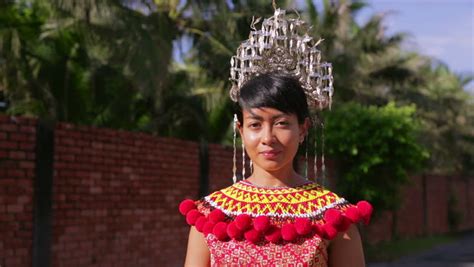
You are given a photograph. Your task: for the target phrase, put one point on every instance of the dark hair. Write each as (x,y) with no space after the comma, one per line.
(274,90)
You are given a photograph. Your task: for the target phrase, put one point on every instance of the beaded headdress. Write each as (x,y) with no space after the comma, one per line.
(282,44)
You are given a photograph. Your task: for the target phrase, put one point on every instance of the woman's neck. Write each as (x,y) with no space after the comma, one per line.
(281,177)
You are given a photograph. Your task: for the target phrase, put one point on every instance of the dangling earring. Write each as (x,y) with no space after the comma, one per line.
(323,165)
(234,168)
(243,160)
(315,167)
(306,140)
(251,166)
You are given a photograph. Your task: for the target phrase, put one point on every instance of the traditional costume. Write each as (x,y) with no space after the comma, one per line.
(249,225)
(245,224)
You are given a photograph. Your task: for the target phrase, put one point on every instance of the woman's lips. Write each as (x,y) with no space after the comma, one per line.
(270,154)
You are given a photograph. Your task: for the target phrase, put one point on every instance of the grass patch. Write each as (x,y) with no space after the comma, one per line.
(392,250)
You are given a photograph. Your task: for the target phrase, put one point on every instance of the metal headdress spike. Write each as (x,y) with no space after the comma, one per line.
(282,44)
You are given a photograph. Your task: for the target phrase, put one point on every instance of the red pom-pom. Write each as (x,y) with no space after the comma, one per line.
(192,216)
(216,216)
(243,221)
(234,232)
(319,230)
(303,226)
(253,235)
(329,231)
(273,234)
(261,223)
(365,210)
(220,231)
(333,217)
(200,223)
(288,232)
(208,227)
(346,222)
(186,205)
(352,214)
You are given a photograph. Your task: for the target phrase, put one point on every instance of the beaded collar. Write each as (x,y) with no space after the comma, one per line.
(248,183)
(247,211)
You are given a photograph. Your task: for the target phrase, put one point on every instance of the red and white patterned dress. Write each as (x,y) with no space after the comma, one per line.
(248,225)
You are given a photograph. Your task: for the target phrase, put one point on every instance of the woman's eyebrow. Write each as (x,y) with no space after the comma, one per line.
(279,116)
(254,117)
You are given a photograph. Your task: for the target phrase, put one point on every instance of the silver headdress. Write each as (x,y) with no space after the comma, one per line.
(282,44)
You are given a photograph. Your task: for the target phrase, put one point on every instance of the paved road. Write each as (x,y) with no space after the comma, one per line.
(457,254)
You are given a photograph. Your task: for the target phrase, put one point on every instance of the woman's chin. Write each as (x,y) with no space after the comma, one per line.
(270,165)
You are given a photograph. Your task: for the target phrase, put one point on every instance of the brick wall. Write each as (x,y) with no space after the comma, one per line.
(115,196)
(220,166)
(17,162)
(437,196)
(410,215)
(462,190)
(411,221)
(379,229)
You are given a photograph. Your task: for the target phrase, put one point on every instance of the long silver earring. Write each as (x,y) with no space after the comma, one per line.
(323,165)
(306,157)
(234,168)
(251,166)
(315,164)
(243,160)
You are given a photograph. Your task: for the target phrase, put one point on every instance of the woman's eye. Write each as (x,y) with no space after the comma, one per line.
(254,125)
(284,123)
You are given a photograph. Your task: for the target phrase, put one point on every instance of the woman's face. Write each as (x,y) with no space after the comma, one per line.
(271,137)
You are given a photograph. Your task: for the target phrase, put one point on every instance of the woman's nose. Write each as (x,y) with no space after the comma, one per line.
(267,136)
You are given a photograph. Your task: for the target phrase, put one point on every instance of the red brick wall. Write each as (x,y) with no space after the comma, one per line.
(116,195)
(462,190)
(17,163)
(220,166)
(410,215)
(379,229)
(437,199)
(469,215)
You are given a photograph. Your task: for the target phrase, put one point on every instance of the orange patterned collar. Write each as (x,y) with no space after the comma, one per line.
(257,214)
(307,200)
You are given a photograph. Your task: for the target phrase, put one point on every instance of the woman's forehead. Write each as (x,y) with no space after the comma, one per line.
(264,112)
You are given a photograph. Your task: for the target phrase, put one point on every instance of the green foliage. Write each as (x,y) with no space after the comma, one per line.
(87,62)
(446,113)
(20,27)
(375,148)
(109,63)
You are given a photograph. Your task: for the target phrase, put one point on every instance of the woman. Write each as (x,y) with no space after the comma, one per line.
(275,216)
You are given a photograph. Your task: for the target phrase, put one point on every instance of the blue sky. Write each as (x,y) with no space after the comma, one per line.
(443,29)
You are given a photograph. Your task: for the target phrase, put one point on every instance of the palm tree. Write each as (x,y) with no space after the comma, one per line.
(371,68)
(109,63)
(368,64)
(19,32)
(446,111)
(93,62)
